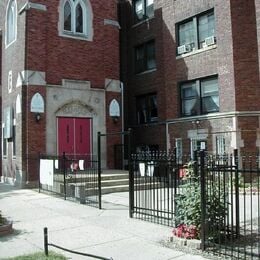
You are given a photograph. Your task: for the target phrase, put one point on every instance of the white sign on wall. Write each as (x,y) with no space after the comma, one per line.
(37,103)
(46,172)
(114,108)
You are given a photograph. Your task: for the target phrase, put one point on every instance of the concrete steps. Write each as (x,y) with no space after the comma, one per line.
(114,181)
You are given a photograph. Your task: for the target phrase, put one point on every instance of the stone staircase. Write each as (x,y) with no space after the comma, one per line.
(114,181)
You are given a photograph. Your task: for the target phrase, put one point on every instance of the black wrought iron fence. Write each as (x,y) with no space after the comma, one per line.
(213,198)
(74,177)
(232,189)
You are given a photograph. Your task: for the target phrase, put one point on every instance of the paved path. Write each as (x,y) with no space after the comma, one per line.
(108,232)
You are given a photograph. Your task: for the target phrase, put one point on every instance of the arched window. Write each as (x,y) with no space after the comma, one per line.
(76,19)
(11,22)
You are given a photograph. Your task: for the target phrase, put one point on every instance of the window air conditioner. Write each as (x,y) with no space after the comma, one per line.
(183,49)
(210,40)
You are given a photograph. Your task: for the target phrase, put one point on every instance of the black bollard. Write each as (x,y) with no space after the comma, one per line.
(45,231)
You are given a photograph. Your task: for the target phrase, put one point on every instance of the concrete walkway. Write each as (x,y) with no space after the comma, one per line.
(108,232)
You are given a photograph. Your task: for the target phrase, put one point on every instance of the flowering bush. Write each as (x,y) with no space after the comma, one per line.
(185,231)
(188,205)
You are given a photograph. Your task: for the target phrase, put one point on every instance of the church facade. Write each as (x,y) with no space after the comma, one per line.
(60,82)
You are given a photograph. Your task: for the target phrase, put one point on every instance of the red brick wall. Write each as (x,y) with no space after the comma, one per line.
(245,51)
(72,58)
(112,127)
(257,5)
(34,134)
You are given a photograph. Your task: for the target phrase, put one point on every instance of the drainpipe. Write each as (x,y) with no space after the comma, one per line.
(167,137)
(122,123)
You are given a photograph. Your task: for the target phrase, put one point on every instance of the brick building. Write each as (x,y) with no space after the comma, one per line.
(60,81)
(191,74)
(190,71)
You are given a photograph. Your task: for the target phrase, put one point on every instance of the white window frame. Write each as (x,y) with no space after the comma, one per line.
(179,149)
(8,42)
(194,144)
(87,20)
(195,45)
(220,145)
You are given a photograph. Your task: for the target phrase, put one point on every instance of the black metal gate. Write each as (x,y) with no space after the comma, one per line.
(99,136)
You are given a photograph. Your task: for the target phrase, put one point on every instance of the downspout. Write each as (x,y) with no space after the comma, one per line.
(122,123)
(27,96)
(167,136)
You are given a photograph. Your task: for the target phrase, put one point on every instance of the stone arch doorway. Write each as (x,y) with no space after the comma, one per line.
(75,122)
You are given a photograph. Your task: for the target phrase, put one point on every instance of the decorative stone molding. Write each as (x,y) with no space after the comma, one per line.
(29,5)
(200,134)
(76,84)
(76,108)
(112,22)
(30,77)
(112,85)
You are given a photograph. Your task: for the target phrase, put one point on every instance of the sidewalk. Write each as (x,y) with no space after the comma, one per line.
(108,232)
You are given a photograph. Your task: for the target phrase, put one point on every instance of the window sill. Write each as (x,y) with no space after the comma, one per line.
(196,52)
(142,22)
(146,72)
(83,37)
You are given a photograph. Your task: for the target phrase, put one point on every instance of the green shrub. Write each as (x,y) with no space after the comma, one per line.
(188,203)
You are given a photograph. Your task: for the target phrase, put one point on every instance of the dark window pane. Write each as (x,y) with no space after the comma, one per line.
(67,17)
(145,57)
(141,110)
(139,59)
(153,107)
(146,107)
(151,55)
(79,19)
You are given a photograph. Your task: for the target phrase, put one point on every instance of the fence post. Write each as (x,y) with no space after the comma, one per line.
(237,192)
(39,182)
(203,199)
(131,175)
(64,175)
(45,233)
(99,170)
(195,159)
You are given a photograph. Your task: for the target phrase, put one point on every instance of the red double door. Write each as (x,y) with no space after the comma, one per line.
(74,135)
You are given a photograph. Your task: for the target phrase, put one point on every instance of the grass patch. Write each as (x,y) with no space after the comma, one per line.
(39,256)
